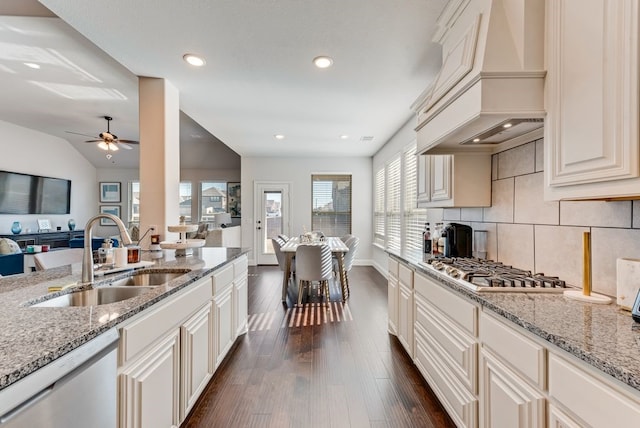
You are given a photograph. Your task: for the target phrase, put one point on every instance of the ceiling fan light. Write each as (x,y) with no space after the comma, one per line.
(103,145)
(113,147)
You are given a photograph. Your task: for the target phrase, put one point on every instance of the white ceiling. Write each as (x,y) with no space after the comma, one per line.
(258,81)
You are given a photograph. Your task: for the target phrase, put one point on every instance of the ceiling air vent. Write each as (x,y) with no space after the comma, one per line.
(366,138)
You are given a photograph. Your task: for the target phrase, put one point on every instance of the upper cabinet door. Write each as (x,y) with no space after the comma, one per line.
(423,186)
(591,131)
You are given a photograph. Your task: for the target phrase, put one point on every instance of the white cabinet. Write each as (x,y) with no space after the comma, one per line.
(224,331)
(591,130)
(240,296)
(513,377)
(197,358)
(149,387)
(589,395)
(508,401)
(392,296)
(405,308)
(558,418)
(461,180)
(445,330)
(168,353)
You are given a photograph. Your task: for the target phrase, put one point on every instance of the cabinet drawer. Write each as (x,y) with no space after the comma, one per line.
(144,329)
(222,278)
(393,267)
(464,313)
(589,397)
(525,356)
(461,405)
(240,266)
(456,347)
(405,275)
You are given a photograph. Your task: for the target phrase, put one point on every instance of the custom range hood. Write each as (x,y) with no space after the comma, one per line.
(489,92)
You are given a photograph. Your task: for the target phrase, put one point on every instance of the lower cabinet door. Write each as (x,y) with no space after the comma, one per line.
(405,318)
(241,304)
(507,400)
(223,323)
(560,419)
(149,390)
(197,356)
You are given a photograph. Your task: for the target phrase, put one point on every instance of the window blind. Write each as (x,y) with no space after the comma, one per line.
(331,204)
(393,213)
(378,210)
(414,218)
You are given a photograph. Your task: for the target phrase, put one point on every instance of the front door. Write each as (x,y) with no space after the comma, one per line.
(272,219)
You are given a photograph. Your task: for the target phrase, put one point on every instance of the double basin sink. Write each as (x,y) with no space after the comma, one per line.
(115,291)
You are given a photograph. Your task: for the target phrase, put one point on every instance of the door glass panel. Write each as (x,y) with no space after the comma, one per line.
(272,203)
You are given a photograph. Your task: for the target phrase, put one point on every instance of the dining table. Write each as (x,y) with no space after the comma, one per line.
(338,250)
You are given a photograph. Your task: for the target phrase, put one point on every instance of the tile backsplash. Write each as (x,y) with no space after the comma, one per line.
(529,233)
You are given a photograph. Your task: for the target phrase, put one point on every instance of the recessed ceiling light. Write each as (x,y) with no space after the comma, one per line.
(279,137)
(507,125)
(323,61)
(32,65)
(194,60)
(476,140)
(344,137)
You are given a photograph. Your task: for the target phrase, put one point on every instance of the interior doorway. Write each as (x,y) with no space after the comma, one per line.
(272,218)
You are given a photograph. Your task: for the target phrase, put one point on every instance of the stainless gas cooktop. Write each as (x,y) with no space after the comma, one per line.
(487,275)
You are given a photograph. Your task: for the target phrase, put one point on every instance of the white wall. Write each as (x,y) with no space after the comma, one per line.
(297,172)
(123,176)
(31,152)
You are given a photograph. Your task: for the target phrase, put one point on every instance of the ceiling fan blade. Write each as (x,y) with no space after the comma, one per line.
(128,141)
(93,141)
(79,133)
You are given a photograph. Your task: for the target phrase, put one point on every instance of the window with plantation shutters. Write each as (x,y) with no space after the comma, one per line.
(414,218)
(331,204)
(394,207)
(378,210)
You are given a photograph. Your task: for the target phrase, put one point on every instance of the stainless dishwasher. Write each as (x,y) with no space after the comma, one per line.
(75,390)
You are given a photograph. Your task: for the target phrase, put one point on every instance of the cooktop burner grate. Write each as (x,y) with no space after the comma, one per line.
(488,274)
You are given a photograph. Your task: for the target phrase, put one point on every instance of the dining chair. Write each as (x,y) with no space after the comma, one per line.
(284,237)
(349,257)
(280,256)
(313,263)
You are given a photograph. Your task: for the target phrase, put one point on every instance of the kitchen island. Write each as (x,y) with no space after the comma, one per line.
(512,358)
(33,337)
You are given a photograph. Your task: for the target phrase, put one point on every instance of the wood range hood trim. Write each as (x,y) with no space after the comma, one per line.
(492,72)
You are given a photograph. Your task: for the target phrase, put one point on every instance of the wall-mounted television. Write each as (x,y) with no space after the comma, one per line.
(33,194)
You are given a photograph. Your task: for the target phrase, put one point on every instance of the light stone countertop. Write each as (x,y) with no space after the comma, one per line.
(603,336)
(32,337)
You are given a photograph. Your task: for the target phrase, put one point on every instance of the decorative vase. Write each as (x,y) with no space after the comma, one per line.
(16,227)
(71,223)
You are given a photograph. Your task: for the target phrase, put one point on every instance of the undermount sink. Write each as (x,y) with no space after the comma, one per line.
(95,296)
(116,291)
(147,279)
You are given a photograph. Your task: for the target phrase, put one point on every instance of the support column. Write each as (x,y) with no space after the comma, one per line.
(159,156)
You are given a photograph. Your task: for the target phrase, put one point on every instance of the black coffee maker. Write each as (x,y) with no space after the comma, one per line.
(458,240)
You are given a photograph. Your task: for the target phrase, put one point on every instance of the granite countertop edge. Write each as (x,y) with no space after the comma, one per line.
(130,307)
(629,375)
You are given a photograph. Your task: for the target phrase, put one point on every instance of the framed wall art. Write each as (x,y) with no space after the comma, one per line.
(109,191)
(109,209)
(233,199)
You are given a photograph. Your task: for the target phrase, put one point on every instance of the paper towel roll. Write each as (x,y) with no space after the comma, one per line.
(627,281)
(120,256)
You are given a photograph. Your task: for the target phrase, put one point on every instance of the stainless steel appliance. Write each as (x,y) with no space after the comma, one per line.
(77,390)
(487,275)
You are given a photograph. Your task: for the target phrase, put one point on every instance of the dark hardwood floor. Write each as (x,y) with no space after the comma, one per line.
(317,367)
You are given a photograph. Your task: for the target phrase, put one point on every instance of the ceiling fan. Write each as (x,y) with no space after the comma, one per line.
(107,140)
